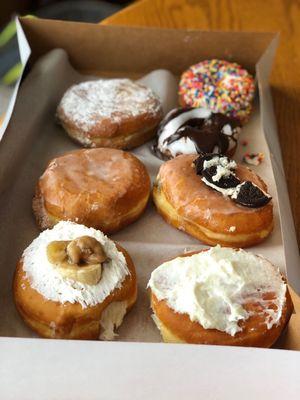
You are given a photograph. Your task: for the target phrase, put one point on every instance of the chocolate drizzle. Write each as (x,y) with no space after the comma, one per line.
(213,133)
(218,172)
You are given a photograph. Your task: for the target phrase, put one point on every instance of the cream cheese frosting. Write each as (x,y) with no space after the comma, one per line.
(49,283)
(213,286)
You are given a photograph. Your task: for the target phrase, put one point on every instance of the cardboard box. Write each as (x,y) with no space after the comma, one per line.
(32,368)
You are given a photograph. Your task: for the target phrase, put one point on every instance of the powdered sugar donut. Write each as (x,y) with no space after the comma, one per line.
(116,113)
(220,86)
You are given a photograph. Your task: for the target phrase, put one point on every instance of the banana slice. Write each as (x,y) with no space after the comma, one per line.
(80,259)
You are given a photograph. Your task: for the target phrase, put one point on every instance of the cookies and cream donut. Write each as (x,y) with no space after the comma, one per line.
(214,199)
(116,113)
(72,282)
(221,86)
(102,188)
(196,130)
(221,296)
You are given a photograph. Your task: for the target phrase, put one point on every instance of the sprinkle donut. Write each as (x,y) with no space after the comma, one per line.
(219,85)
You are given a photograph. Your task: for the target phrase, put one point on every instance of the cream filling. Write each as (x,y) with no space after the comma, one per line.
(225,192)
(213,286)
(48,281)
(111,318)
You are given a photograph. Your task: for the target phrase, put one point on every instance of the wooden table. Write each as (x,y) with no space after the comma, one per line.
(246,15)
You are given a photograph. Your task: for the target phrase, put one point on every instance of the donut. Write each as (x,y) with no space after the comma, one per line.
(117,113)
(220,86)
(221,296)
(72,282)
(106,189)
(214,199)
(196,130)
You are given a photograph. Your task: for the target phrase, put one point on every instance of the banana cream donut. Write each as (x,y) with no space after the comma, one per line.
(215,200)
(72,282)
(102,188)
(221,296)
(116,113)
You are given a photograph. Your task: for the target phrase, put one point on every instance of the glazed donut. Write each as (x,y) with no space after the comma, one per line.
(239,216)
(62,305)
(102,188)
(221,296)
(196,130)
(116,113)
(220,86)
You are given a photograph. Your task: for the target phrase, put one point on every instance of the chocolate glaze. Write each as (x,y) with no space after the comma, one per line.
(205,133)
(249,195)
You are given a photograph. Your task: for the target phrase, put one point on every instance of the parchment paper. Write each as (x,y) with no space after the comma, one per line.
(150,241)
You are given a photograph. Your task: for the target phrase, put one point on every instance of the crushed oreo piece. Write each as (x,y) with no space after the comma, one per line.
(250,195)
(219,175)
(225,182)
(199,162)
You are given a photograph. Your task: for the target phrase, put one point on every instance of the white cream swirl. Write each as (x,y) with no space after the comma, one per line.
(212,287)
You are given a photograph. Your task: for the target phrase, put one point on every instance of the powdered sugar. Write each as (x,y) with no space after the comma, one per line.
(48,282)
(89,102)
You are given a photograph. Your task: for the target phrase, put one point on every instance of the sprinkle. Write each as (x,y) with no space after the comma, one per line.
(253,158)
(219,85)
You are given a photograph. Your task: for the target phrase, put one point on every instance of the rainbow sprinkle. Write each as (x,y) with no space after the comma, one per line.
(253,158)
(220,86)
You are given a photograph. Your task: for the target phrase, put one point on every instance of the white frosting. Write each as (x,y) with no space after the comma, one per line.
(183,145)
(49,283)
(213,286)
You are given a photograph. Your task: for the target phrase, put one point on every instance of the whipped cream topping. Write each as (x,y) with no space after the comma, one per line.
(213,286)
(48,281)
